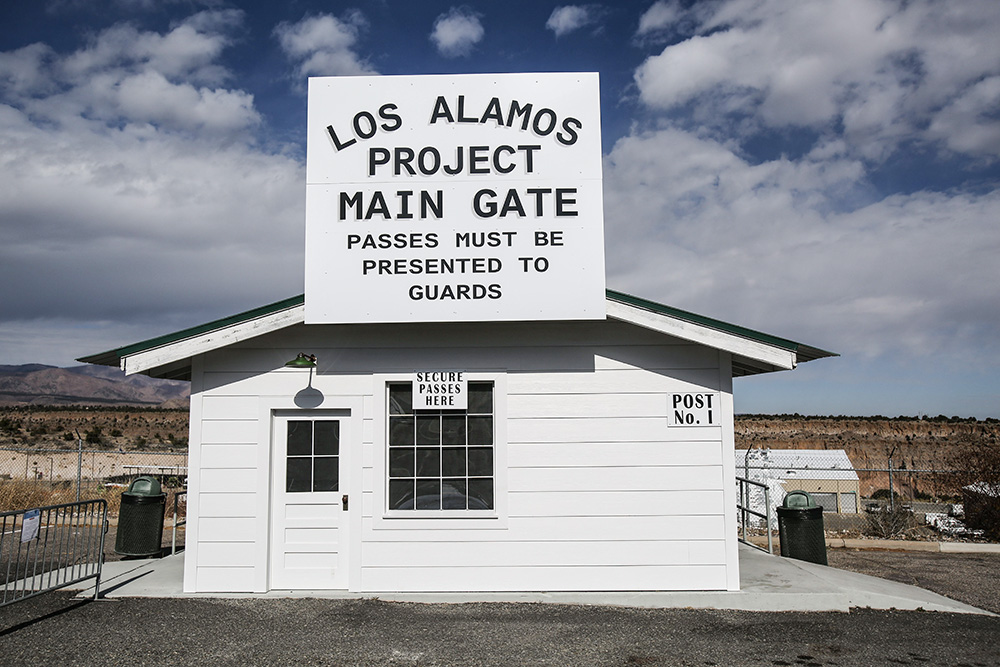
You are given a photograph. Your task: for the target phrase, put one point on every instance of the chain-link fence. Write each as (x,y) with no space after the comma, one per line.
(889,501)
(34,477)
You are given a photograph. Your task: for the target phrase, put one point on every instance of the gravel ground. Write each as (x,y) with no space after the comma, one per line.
(58,630)
(970,578)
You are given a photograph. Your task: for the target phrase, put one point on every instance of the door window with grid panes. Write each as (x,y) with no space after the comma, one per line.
(312,456)
(441,459)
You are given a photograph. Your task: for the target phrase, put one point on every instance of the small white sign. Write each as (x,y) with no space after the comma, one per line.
(440,390)
(29,527)
(693,409)
(459,198)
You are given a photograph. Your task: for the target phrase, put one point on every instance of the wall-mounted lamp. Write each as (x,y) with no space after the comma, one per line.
(303,360)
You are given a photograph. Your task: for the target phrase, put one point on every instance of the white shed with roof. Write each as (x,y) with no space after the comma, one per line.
(584,455)
(826,474)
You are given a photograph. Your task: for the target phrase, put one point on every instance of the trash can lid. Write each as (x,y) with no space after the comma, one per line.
(144,486)
(799,500)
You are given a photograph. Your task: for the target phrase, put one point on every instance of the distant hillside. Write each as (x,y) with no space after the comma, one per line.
(37,384)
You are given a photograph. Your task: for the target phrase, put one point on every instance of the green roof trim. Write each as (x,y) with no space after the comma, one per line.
(807,352)
(167,339)
(694,318)
(113,357)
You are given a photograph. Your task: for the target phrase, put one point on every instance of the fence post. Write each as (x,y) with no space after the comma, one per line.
(79,463)
(892,499)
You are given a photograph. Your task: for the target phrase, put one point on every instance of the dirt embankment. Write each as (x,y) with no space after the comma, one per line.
(919,444)
(100,428)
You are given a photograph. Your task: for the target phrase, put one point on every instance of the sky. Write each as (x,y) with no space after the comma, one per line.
(825,171)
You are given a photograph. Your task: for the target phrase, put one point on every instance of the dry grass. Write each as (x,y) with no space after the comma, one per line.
(16,494)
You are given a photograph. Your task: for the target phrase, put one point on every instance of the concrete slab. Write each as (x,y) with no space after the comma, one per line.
(768,583)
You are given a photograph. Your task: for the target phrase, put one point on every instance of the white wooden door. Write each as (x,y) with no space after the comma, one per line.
(309,526)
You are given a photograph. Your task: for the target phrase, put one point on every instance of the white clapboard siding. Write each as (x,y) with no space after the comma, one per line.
(224,579)
(612,382)
(229,431)
(558,504)
(231,407)
(227,529)
(229,456)
(573,529)
(543,553)
(600,454)
(593,406)
(557,578)
(332,361)
(665,478)
(229,505)
(231,480)
(226,554)
(630,429)
(598,492)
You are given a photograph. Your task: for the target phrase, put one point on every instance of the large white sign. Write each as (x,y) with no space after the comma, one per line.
(454,198)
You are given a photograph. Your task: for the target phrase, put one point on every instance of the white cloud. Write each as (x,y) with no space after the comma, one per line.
(131,188)
(876,71)
(661,15)
(457,31)
(769,245)
(568,18)
(325,45)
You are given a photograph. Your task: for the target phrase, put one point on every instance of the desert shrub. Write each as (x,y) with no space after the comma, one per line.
(883,494)
(888,523)
(980,484)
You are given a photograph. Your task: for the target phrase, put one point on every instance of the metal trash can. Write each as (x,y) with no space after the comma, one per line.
(800,528)
(140,521)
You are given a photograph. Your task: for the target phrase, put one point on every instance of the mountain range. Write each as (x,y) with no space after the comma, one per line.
(38,384)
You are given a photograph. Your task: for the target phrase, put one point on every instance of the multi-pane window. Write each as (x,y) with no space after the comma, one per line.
(313,456)
(441,459)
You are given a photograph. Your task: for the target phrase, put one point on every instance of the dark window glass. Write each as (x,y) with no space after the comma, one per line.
(326,438)
(453,494)
(480,430)
(453,430)
(480,398)
(401,431)
(400,494)
(428,462)
(401,462)
(429,495)
(298,474)
(480,461)
(480,493)
(326,475)
(299,438)
(312,460)
(430,466)
(453,461)
(401,399)
(428,429)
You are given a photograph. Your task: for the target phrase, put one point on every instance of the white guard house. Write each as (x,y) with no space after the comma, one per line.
(482,414)
(477,456)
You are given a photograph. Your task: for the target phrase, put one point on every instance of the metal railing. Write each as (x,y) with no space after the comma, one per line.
(51,547)
(173,531)
(744,507)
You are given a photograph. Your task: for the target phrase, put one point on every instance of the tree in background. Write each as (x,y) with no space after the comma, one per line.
(979,478)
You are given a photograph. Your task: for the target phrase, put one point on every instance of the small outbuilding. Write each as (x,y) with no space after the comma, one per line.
(462,456)
(827,474)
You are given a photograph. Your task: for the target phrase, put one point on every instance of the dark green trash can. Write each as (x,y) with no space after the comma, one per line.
(800,528)
(140,521)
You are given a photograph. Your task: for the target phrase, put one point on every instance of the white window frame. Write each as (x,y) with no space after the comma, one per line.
(384,518)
